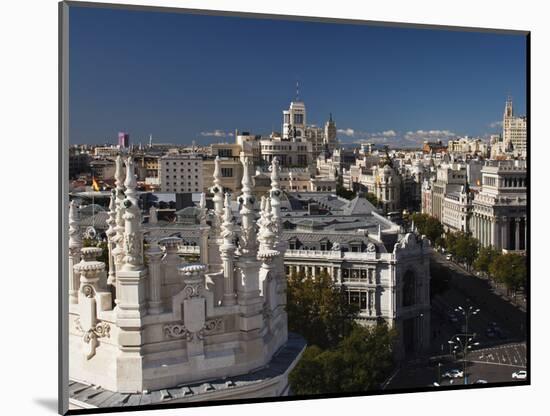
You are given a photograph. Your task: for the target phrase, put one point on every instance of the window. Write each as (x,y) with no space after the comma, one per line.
(363,303)
(298,119)
(227,172)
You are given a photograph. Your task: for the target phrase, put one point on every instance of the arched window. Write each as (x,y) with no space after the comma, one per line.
(408,293)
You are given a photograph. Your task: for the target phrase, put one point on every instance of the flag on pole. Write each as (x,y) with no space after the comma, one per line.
(95,185)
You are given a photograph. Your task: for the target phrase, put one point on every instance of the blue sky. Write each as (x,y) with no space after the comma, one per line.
(191,77)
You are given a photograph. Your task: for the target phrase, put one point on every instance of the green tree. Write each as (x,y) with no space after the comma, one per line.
(484,259)
(372,198)
(428,226)
(464,248)
(360,362)
(511,270)
(319,310)
(344,193)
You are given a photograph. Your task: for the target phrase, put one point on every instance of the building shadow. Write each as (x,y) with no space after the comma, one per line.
(47,403)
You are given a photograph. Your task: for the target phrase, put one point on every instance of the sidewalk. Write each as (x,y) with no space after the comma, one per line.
(522,305)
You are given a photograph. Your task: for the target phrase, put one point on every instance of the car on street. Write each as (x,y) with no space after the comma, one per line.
(454,373)
(520,375)
(449,257)
(452,317)
(490,333)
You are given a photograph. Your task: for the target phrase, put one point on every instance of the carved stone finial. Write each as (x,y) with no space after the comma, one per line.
(153,218)
(248,242)
(193,277)
(217,190)
(119,173)
(227,233)
(75,242)
(133,242)
(275,196)
(203,210)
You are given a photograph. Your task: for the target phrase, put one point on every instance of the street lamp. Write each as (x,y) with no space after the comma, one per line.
(464,345)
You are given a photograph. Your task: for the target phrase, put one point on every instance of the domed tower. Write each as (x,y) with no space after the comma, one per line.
(294,119)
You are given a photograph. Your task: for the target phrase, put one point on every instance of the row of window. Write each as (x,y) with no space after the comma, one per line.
(181,163)
(181,177)
(182,170)
(363,299)
(168,189)
(176,184)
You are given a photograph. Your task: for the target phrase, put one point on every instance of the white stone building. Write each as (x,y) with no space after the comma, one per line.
(499,216)
(386,274)
(457,208)
(156,329)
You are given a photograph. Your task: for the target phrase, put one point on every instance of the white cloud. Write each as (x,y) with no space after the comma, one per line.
(215,133)
(496,124)
(346,132)
(389,133)
(419,135)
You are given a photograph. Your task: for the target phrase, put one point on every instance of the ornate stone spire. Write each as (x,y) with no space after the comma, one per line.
(227,252)
(260,221)
(75,242)
(275,194)
(153,219)
(217,190)
(75,247)
(267,232)
(111,232)
(203,211)
(133,258)
(119,228)
(248,243)
(228,232)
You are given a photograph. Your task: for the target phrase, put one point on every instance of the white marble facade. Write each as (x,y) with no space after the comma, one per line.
(153,321)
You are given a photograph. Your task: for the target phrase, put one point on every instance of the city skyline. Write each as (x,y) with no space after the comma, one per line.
(387,85)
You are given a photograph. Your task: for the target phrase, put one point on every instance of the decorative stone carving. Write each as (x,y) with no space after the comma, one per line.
(227,252)
(90,336)
(217,190)
(371,248)
(193,277)
(133,250)
(248,243)
(75,246)
(153,219)
(111,233)
(177,331)
(180,331)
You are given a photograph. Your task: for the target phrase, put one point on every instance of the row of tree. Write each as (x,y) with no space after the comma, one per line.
(508,269)
(341,356)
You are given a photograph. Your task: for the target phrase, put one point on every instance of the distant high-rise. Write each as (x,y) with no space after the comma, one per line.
(514,130)
(123,140)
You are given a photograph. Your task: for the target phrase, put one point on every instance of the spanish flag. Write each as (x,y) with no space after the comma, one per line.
(95,185)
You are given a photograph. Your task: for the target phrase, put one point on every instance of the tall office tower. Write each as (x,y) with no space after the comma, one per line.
(123,140)
(514,130)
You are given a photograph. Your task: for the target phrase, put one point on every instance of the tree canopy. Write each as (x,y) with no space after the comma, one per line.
(509,269)
(372,198)
(463,247)
(344,193)
(318,310)
(428,226)
(360,362)
(484,258)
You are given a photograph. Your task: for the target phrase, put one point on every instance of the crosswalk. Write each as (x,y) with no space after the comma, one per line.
(513,355)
